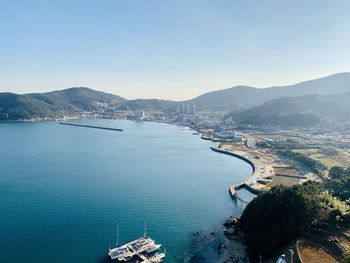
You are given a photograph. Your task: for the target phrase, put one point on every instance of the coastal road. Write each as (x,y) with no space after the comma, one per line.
(250,140)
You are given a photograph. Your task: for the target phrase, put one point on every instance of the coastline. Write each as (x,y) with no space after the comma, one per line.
(249,182)
(234,246)
(235,249)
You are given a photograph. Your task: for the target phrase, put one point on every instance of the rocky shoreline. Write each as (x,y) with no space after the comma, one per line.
(235,247)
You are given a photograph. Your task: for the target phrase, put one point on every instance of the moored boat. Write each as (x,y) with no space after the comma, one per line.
(142,248)
(153,248)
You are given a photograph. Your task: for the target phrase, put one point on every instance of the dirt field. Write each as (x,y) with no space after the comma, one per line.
(289,171)
(285,176)
(312,253)
(259,156)
(328,156)
(283,180)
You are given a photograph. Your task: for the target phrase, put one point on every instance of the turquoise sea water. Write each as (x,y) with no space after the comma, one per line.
(63,189)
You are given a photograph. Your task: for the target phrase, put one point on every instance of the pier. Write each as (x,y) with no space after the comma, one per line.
(90,126)
(143,250)
(233,192)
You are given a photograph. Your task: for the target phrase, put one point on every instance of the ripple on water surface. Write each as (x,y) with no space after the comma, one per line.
(63,189)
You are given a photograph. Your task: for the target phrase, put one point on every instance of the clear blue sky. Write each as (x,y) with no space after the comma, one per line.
(169,49)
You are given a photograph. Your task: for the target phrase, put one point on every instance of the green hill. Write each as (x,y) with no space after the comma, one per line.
(151,104)
(80,98)
(264,102)
(297,111)
(54,104)
(243,97)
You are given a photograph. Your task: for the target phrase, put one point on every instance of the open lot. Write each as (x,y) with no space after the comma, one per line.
(283,180)
(287,176)
(310,252)
(328,156)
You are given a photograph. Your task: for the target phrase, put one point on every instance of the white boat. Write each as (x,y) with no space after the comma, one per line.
(119,253)
(153,248)
(137,248)
(142,244)
(158,257)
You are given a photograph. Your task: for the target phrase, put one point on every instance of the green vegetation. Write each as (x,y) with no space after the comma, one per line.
(53,104)
(151,104)
(305,161)
(293,119)
(275,218)
(14,107)
(345,258)
(70,101)
(339,183)
(329,156)
(306,111)
(287,144)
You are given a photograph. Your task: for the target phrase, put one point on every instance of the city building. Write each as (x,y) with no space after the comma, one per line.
(229,135)
(139,115)
(186,108)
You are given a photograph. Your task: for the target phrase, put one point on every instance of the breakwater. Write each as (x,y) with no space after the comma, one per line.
(91,126)
(235,155)
(246,183)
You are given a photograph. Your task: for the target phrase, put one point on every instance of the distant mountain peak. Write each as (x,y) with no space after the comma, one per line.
(239,97)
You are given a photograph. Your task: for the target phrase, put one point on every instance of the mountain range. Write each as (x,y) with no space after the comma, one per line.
(305,110)
(243,97)
(315,99)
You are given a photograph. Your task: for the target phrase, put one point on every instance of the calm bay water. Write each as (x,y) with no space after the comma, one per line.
(63,189)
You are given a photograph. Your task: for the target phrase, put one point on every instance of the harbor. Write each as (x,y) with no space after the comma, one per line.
(141,250)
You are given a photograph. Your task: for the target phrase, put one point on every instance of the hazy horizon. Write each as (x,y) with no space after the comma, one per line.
(121,95)
(170,50)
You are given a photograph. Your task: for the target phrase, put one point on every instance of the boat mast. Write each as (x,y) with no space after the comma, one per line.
(145,233)
(117,235)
